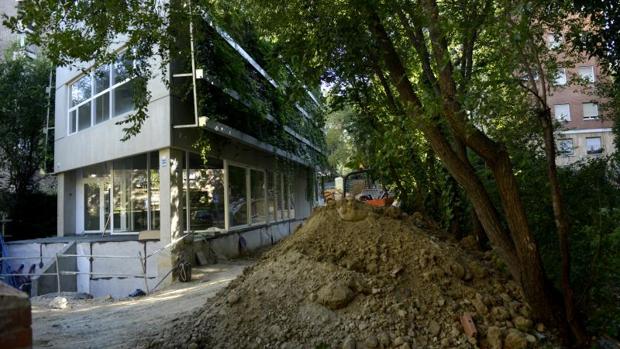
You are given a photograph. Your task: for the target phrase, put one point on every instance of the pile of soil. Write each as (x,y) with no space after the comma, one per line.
(354,276)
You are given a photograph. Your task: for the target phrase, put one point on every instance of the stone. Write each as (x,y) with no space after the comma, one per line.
(349,343)
(457,270)
(500,313)
(530,338)
(540,327)
(494,337)
(481,308)
(233,298)
(335,295)
(515,339)
(398,341)
(522,323)
(383,338)
(405,346)
(433,328)
(477,270)
(192,345)
(59,303)
(371,342)
(402,313)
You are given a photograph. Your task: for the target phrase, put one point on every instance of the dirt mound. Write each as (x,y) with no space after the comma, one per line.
(359,277)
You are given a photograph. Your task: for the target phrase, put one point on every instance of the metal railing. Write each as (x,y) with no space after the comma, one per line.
(59,273)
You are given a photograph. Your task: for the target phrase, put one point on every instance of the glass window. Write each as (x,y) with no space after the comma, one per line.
(154,192)
(587,73)
(123,99)
(291,197)
(72,121)
(272,196)
(237,196)
(121,70)
(285,195)
(554,41)
(102,78)
(84,116)
(593,145)
(258,209)
(560,77)
(565,147)
(92,203)
(590,110)
(130,194)
(206,193)
(102,108)
(80,90)
(562,112)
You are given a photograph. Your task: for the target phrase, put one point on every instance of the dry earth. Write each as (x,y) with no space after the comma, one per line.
(101,323)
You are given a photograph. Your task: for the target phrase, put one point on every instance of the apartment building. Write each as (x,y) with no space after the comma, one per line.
(584,132)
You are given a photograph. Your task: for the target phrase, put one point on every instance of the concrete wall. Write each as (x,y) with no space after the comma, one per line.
(32,249)
(44,284)
(228,245)
(101,285)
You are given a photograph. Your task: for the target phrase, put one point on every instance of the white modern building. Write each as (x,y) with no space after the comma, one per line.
(154,193)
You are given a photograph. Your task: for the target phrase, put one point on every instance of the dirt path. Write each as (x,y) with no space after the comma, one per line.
(99,323)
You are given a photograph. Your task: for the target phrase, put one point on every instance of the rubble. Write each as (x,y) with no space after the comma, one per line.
(354,276)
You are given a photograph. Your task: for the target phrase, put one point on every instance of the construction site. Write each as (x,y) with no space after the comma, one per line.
(352,276)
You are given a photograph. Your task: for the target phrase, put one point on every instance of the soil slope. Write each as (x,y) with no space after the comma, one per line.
(359,277)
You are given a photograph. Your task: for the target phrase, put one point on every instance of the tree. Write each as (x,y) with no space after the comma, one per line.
(23,111)
(437,65)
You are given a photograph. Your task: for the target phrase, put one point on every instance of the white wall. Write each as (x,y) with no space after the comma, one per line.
(48,252)
(117,287)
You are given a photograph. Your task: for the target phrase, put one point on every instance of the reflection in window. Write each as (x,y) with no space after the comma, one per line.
(272,197)
(258,207)
(130,194)
(237,194)
(291,197)
(123,99)
(206,193)
(284,197)
(593,145)
(80,91)
(154,190)
(565,146)
(102,108)
(84,116)
(102,78)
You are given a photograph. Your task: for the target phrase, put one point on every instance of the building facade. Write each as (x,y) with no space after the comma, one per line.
(584,133)
(159,195)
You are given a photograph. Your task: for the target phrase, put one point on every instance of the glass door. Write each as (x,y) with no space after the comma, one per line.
(97,204)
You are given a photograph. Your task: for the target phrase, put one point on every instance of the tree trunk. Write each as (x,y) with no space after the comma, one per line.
(518,249)
(562,226)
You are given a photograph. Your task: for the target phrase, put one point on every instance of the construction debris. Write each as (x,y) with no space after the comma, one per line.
(356,277)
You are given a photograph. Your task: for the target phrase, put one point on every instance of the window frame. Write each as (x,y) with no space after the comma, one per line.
(583,110)
(598,151)
(572,147)
(590,81)
(555,114)
(248,195)
(561,74)
(93,97)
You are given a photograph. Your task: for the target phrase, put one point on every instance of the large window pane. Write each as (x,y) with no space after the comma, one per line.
(92,206)
(123,99)
(271,197)
(121,70)
(73,121)
(206,193)
(102,78)
(259,204)
(154,193)
(130,194)
(285,194)
(237,194)
(102,108)
(291,197)
(84,116)
(278,195)
(81,90)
